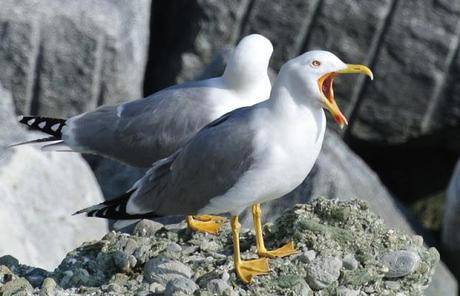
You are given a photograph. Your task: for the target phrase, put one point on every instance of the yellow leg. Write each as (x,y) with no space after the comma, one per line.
(245,270)
(209,226)
(285,250)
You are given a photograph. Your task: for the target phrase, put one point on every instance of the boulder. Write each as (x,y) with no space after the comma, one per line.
(63,57)
(40,191)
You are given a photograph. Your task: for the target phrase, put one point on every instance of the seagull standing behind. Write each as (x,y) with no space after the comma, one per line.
(146,130)
(248,156)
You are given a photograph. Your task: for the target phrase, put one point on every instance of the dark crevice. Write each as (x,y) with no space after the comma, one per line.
(173,28)
(374,53)
(245,19)
(36,88)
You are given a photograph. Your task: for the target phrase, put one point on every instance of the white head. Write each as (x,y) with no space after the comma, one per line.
(248,64)
(309,78)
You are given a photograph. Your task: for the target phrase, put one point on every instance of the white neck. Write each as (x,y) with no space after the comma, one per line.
(288,95)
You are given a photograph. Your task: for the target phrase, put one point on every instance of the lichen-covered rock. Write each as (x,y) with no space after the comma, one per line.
(326,232)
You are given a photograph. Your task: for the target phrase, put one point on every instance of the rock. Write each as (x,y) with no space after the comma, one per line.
(61,58)
(19,287)
(164,270)
(400,263)
(29,182)
(344,291)
(219,287)
(147,228)
(384,116)
(307,256)
(48,287)
(181,285)
(318,226)
(322,271)
(349,262)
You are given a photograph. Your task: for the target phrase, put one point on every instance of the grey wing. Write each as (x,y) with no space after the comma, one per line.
(209,165)
(143,131)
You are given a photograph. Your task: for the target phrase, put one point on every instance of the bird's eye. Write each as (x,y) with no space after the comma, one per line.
(316,63)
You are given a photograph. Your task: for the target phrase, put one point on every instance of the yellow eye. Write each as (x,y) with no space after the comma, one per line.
(316,63)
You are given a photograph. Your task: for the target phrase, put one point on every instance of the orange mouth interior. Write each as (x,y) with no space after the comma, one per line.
(325,86)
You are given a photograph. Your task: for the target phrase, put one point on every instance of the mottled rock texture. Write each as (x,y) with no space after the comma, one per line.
(64,57)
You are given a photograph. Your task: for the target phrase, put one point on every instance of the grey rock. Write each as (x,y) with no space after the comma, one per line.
(48,287)
(44,196)
(400,263)
(181,285)
(307,256)
(162,270)
(18,287)
(219,287)
(66,57)
(323,271)
(392,285)
(344,291)
(147,228)
(350,262)
(402,103)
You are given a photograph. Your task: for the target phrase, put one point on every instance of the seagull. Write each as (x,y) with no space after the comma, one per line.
(146,130)
(246,157)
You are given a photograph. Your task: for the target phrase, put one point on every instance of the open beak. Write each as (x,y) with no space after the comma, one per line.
(327,93)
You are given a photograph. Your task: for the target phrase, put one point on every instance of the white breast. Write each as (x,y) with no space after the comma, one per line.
(285,152)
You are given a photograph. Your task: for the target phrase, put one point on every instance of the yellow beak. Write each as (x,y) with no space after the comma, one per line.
(325,86)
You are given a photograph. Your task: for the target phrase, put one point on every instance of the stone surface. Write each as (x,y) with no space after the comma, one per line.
(284,23)
(180,285)
(411,68)
(323,271)
(400,263)
(331,228)
(61,58)
(39,192)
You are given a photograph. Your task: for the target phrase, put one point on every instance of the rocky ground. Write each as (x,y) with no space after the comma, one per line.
(343,249)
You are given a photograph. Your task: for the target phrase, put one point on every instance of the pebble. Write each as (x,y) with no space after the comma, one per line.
(344,291)
(121,260)
(219,287)
(147,228)
(163,270)
(392,285)
(48,287)
(349,262)
(180,284)
(400,263)
(323,271)
(307,256)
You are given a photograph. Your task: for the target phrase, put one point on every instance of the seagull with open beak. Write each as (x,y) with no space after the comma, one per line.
(246,157)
